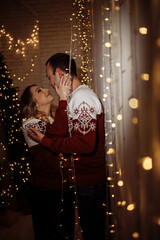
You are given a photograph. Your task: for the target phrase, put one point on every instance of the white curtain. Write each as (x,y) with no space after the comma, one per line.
(125,73)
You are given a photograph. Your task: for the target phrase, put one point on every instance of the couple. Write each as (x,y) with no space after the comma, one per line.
(77,128)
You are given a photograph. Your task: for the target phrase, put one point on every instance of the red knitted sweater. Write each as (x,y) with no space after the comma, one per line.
(86,127)
(44,164)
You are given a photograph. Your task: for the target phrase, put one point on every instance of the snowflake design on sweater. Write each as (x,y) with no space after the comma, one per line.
(83,114)
(39,126)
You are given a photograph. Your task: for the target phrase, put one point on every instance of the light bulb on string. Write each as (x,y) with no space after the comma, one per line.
(133,103)
(144,76)
(119,117)
(143,30)
(131,207)
(135,235)
(135,120)
(108,44)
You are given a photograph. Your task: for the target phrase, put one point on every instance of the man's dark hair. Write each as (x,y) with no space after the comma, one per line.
(62,61)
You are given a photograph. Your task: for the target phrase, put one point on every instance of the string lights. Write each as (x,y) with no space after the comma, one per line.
(122,101)
(11,112)
(121,77)
(82,38)
(22,47)
(13,150)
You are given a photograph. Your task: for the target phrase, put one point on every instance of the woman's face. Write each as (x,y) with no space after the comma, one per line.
(42,96)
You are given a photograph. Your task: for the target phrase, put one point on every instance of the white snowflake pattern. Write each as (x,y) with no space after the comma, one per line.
(83,116)
(76,126)
(93,126)
(39,126)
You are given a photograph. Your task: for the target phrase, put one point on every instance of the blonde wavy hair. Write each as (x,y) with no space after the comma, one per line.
(28,106)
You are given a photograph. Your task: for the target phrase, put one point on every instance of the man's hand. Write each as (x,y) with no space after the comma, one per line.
(36,135)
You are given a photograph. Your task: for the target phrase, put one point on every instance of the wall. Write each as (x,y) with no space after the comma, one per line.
(19,18)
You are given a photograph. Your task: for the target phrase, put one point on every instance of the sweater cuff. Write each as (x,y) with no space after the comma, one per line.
(62,103)
(47,142)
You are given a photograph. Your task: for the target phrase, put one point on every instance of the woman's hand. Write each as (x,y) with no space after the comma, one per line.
(63,89)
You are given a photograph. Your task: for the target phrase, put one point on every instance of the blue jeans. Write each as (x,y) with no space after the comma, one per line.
(92,211)
(45,205)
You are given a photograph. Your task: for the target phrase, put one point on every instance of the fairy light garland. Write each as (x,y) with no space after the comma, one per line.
(107,75)
(112,75)
(20,47)
(9,115)
(82,38)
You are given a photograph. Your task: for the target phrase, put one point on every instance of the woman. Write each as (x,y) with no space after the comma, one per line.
(49,190)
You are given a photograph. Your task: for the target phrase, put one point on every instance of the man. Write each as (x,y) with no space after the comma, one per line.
(86,139)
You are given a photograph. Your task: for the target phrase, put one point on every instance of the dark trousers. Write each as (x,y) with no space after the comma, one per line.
(92,211)
(48,223)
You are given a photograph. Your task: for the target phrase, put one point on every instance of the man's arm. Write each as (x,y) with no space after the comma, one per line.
(60,125)
(78,143)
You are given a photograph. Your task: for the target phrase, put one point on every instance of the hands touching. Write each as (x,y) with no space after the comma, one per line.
(63,88)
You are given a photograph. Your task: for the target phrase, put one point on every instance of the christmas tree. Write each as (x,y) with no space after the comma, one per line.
(14,166)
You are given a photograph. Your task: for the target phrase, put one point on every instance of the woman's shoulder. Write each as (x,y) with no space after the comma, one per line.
(38,124)
(30,121)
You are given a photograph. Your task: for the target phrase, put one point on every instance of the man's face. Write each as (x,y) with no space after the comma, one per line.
(53,78)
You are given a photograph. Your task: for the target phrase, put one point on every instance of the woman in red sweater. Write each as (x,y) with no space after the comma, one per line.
(49,189)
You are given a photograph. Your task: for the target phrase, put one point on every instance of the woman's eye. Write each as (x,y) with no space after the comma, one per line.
(39,90)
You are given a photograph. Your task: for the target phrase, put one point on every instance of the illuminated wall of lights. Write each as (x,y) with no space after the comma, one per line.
(114,66)
(122,81)
(10,125)
(81,37)
(22,48)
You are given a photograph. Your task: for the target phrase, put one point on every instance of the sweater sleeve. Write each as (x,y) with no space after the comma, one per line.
(77,143)
(84,111)
(60,125)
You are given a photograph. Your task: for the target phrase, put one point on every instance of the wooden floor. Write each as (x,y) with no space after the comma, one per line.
(16,225)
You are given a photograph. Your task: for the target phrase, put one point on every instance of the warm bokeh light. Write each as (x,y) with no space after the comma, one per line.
(135,235)
(133,103)
(118,64)
(134,120)
(108,31)
(119,117)
(131,207)
(158,42)
(147,163)
(157,220)
(108,80)
(123,203)
(120,183)
(111,151)
(143,30)
(144,76)
(108,44)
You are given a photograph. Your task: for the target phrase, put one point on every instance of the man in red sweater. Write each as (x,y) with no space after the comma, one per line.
(86,141)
